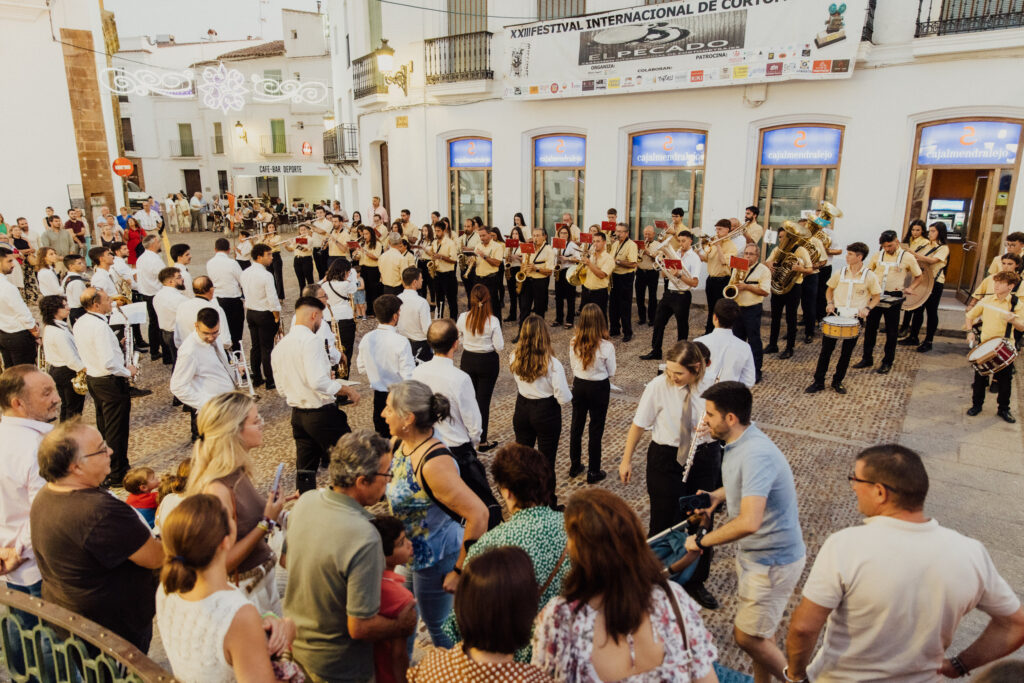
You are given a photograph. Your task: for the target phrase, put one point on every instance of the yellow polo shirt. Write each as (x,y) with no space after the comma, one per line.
(445,247)
(624,251)
(365,260)
(392,263)
(544,257)
(494,250)
(892,270)
(758,275)
(992,323)
(606,264)
(853,291)
(715,266)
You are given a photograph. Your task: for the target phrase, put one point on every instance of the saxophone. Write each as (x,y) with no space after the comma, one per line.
(791,237)
(432,263)
(343,363)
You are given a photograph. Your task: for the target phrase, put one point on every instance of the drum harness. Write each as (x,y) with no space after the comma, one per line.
(844,277)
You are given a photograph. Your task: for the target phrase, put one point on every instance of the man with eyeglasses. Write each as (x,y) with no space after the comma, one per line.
(335,565)
(893,589)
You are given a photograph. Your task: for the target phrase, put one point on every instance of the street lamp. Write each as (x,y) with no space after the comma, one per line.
(386,67)
(240,132)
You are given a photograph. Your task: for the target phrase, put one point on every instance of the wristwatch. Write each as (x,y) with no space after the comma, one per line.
(698,538)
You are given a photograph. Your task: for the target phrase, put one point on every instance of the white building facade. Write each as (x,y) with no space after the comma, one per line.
(925,79)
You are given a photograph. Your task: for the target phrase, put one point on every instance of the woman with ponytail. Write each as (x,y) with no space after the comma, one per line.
(481,336)
(427,493)
(210,631)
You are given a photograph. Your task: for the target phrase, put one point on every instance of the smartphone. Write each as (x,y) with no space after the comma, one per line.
(276,488)
(699,501)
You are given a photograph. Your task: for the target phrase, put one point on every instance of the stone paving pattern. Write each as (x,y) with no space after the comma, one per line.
(976,464)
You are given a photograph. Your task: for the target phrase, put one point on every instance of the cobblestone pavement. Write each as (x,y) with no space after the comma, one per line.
(820,435)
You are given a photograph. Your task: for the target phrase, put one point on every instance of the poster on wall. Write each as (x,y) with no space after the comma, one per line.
(677,45)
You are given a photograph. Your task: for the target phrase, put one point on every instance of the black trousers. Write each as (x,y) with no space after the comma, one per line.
(303,266)
(243,264)
(534,297)
(501,290)
(71,402)
(595,296)
(234,311)
(537,422)
(705,475)
(428,282)
(665,480)
(809,302)
(380,425)
(262,330)
(448,290)
(513,296)
(277,270)
(785,302)
(320,261)
(482,369)
(824,273)
(672,304)
(589,399)
(621,304)
(347,332)
(468,280)
(1004,382)
(748,328)
(565,298)
(646,295)
(828,345)
(931,306)
(113,401)
(315,431)
(713,288)
(892,321)
(153,337)
(371,285)
(170,350)
(18,348)
(493,285)
(421,350)
(137,328)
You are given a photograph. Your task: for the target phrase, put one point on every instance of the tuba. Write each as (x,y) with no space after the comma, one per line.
(827,215)
(791,237)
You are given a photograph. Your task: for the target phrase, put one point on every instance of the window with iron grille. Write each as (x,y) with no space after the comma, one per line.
(556,9)
(466,16)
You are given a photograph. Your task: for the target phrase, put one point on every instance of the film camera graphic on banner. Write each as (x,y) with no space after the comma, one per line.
(670,46)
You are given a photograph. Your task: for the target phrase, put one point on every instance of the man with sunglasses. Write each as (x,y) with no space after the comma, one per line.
(893,589)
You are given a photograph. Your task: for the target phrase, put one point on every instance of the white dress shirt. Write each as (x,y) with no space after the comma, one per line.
(59,346)
(201,372)
(491,339)
(14,314)
(550,384)
(148,220)
(98,347)
(258,289)
(692,264)
(465,424)
(226,275)
(19,484)
(49,283)
(385,357)
(414,316)
(339,295)
(602,367)
(147,270)
(188,312)
(101,279)
(326,335)
(73,285)
(302,371)
(122,271)
(661,410)
(166,304)
(186,278)
(731,359)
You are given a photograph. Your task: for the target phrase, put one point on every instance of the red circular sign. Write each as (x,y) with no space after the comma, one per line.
(307,149)
(123,167)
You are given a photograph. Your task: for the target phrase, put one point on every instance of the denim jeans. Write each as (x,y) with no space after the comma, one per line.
(432,601)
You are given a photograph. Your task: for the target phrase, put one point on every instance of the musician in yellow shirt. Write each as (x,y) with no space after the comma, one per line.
(489,253)
(1010,263)
(624,253)
(717,257)
(752,288)
(444,251)
(1014,245)
(1000,314)
(935,257)
(600,265)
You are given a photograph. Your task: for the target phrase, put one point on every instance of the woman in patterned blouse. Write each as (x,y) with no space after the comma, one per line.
(618,618)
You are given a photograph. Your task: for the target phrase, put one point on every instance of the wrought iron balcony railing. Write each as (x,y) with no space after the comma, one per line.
(341,144)
(366,78)
(275,144)
(944,17)
(465,57)
(184,147)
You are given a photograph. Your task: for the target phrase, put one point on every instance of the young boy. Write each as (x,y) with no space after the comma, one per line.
(391,657)
(141,484)
(999,313)
(74,284)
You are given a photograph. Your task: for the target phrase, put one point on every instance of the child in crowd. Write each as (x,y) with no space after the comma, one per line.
(171,491)
(359,302)
(391,657)
(141,484)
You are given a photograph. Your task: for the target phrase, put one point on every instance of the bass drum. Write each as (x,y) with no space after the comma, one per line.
(919,294)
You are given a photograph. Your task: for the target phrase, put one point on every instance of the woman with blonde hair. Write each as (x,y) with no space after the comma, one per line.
(540,378)
(210,631)
(480,331)
(229,427)
(592,358)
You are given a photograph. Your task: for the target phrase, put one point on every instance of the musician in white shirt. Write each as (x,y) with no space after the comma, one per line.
(61,353)
(226,275)
(186,315)
(592,359)
(303,374)
(181,254)
(543,389)
(102,278)
(166,304)
(18,329)
(263,314)
(46,273)
(334,354)
(107,377)
(385,357)
(147,273)
(678,293)
(73,284)
(480,332)
(731,358)
(202,370)
(340,285)
(243,250)
(414,318)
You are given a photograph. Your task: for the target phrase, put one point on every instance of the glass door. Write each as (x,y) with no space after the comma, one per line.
(972,244)
(470,195)
(556,192)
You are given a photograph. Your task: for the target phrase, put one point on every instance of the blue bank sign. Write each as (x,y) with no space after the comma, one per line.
(469,153)
(801,146)
(560,151)
(971,143)
(668,149)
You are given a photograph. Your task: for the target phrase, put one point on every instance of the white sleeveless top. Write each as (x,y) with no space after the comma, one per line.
(193,634)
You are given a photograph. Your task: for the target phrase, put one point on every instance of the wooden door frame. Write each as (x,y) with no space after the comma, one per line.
(385,172)
(487,177)
(635,230)
(533,177)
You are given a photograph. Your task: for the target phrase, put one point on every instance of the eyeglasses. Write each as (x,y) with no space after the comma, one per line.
(386,475)
(104,450)
(850,478)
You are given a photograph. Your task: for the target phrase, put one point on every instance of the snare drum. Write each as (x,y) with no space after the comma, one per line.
(839,327)
(992,356)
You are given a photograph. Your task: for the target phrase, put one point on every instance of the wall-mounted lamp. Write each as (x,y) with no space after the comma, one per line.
(328,121)
(386,67)
(240,132)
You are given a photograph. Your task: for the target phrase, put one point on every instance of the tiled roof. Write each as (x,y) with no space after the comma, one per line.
(274,47)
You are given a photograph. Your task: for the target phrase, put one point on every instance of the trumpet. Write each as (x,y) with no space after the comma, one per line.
(659,263)
(241,370)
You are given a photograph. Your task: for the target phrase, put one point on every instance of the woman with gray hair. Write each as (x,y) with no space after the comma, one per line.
(428,495)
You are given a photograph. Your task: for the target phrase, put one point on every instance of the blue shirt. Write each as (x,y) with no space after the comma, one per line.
(754,466)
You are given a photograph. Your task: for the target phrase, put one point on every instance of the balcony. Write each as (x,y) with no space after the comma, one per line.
(366,79)
(275,145)
(185,147)
(341,144)
(868,32)
(217,144)
(946,17)
(465,57)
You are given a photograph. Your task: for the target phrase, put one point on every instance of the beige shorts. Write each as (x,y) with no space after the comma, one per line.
(763,591)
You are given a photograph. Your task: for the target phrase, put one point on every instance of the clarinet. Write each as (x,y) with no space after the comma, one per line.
(693,441)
